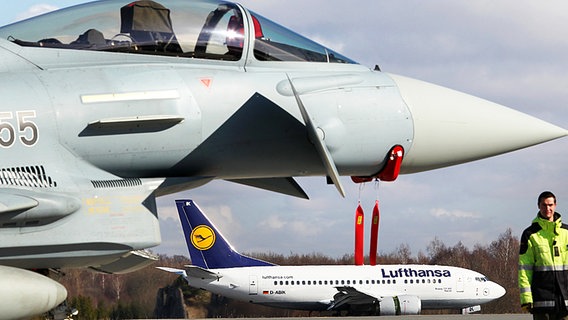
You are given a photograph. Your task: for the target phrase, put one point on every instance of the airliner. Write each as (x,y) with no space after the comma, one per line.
(358,289)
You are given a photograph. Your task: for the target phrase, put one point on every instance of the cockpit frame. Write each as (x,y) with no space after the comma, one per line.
(202,29)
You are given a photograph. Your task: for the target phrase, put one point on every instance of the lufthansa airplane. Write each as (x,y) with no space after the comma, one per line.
(378,290)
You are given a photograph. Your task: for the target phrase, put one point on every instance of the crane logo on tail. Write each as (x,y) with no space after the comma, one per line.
(202,237)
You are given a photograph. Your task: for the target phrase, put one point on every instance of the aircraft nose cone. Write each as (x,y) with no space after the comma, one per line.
(451,127)
(495,291)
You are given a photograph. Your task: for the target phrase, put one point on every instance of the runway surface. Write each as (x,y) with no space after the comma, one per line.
(455,317)
(417,317)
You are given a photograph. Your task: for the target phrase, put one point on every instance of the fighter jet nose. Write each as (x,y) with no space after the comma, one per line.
(451,127)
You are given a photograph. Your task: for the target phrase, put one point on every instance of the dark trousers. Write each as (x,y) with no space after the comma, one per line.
(550,316)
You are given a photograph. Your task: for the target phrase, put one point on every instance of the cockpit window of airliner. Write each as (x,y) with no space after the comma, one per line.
(203,29)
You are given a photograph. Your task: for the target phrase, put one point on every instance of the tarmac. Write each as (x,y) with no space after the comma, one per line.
(455,317)
(414,317)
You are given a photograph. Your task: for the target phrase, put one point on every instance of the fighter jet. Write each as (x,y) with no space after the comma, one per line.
(110,104)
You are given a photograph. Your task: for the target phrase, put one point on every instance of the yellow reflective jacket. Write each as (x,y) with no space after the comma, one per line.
(543,265)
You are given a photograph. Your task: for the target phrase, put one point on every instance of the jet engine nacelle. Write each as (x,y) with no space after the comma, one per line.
(399,305)
(24,294)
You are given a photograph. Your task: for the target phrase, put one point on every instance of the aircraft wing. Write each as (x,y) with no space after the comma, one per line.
(350,295)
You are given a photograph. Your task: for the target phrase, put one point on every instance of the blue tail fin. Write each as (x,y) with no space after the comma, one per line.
(207,247)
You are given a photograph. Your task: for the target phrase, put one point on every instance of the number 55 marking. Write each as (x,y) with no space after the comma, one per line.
(27,133)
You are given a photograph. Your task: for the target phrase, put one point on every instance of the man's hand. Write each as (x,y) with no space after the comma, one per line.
(527,307)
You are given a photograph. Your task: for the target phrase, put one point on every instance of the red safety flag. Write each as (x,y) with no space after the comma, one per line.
(374,234)
(359,233)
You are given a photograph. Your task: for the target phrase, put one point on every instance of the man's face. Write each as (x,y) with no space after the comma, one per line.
(547,207)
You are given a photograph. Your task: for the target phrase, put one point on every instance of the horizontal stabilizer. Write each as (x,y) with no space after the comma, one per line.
(179,272)
(193,272)
(198,272)
(287,186)
(11,203)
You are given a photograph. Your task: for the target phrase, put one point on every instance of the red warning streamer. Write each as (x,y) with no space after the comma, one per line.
(359,233)
(374,234)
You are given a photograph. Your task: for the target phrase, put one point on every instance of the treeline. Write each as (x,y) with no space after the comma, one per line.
(135,295)
(118,296)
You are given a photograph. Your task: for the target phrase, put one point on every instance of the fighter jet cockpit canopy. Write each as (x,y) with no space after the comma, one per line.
(204,29)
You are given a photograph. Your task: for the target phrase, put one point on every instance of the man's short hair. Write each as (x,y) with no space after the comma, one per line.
(545,195)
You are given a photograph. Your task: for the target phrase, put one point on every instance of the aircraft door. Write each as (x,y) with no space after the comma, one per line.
(459,284)
(253,285)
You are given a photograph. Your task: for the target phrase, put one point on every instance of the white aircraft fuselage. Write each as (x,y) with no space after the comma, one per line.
(375,290)
(313,287)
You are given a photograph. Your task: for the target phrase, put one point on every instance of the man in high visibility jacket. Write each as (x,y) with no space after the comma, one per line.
(543,263)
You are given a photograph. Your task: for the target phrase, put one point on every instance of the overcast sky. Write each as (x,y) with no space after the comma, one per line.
(511,52)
